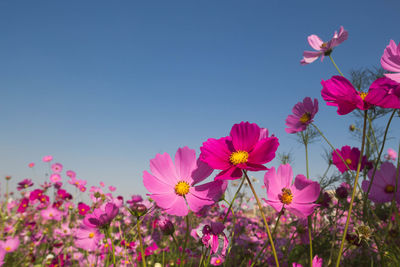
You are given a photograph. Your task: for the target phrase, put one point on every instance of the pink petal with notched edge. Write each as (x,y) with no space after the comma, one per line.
(163,167)
(185,163)
(155,185)
(264,151)
(216,153)
(245,136)
(315,42)
(390,59)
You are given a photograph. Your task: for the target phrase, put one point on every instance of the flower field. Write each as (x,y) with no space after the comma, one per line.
(348,218)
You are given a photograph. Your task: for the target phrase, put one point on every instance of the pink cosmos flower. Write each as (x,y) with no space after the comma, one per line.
(10,245)
(323,48)
(102,184)
(24,184)
(303,114)
(339,92)
(101,216)
(71,174)
(217,261)
(298,198)
(384,184)
(55,178)
(351,156)
(112,188)
(31,165)
(391,154)
(47,158)
(317,262)
(57,167)
(88,238)
(211,235)
(247,148)
(23,205)
(51,214)
(174,185)
(83,208)
(390,61)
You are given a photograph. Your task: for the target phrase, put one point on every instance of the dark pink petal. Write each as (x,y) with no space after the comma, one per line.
(196,204)
(155,185)
(308,194)
(384,93)
(215,243)
(209,191)
(252,167)
(232,173)
(185,163)
(264,151)
(300,182)
(301,210)
(202,171)
(245,136)
(163,168)
(216,153)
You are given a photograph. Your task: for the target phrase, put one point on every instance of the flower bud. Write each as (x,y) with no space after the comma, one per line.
(166,226)
(138,210)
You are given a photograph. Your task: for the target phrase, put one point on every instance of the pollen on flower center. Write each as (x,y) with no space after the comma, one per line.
(348,161)
(286,197)
(305,118)
(182,188)
(324,45)
(91,235)
(239,157)
(363,95)
(389,188)
(8,248)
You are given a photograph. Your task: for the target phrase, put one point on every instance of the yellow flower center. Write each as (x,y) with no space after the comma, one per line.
(91,235)
(305,118)
(363,95)
(182,188)
(50,214)
(348,161)
(324,45)
(286,197)
(218,261)
(239,157)
(389,188)
(8,248)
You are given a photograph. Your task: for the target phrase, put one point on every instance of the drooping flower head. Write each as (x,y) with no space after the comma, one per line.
(323,48)
(384,185)
(212,234)
(351,156)
(247,148)
(298,198)
(171,186)
(303,115)
(101,217)
(390,61)
(24,184)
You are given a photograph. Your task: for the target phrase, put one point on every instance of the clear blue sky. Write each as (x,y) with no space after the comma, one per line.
(105,85)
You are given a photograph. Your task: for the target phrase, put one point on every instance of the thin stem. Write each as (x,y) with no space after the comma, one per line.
(233,200)
(264,219)
(334,64)
(186,239)
(354,190)
(141,243)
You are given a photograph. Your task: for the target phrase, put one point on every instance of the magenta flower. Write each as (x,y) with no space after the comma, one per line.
(174,185)
(298,198)
(217,261)
(303,114)
(390,61)
(247,148)
(212,234)
(101,217)
(31,165)
(317,262)
(24,184)
(351,156)
(323,48)
(83,208)
(339,92)
(23,205)
(384,184)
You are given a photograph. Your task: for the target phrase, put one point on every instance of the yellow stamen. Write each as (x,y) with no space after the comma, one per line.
(218,261)
(239,157)
(286,197)
(363,95)
(305,118)
(389,188)
(8,249)
(182,188)
(91,235)
(348,161)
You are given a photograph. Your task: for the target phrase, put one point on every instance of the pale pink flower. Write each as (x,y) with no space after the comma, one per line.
(55,177)
(10,245)
(112,188)
(323,48)
(51,214)
(390,61)
(71,174)
(47,158)
(57,167)
(391,154)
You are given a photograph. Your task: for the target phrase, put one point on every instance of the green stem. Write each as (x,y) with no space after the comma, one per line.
(186,239)
(233,200)
(108,234)
(264,219)
(141,242)
(354,191)
(334,64)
